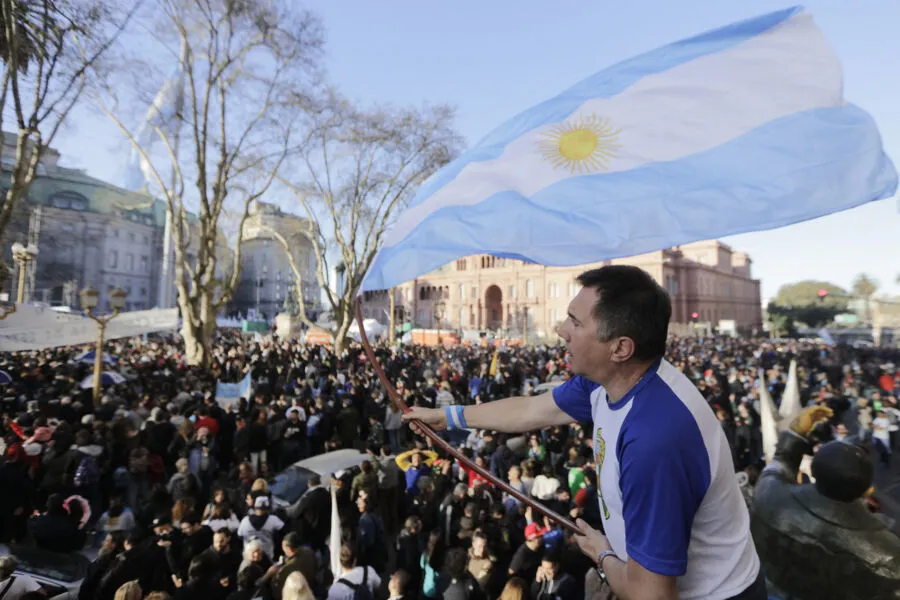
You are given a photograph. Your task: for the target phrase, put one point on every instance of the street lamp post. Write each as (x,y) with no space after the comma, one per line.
(439,309)
(23,255)
(89,300)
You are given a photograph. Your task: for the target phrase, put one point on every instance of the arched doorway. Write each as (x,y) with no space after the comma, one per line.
(493,303)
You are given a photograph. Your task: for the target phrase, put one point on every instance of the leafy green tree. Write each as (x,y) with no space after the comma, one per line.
(781,320)
(806,293)
(802,302)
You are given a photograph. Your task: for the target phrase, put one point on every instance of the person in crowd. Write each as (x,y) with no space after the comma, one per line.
(255,554)
(353,577)
(261,525)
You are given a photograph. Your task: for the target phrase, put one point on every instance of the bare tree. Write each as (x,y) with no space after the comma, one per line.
(245,79)
(361,167)
(49,49)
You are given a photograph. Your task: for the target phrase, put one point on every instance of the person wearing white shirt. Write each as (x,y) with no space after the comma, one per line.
(881,436)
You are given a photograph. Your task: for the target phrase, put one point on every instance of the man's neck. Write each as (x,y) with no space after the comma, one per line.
(624,378)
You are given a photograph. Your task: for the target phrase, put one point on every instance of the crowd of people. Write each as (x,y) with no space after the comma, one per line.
(173,492)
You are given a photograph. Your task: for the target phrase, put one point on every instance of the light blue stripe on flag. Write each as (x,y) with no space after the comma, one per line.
(740,129)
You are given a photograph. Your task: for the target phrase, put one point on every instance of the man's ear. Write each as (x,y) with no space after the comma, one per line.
(622,350)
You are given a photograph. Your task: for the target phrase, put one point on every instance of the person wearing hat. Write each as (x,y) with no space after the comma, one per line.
(527,558)
(675,521)
(260,524)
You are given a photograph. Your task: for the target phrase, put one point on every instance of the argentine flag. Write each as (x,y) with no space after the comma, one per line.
(739,129)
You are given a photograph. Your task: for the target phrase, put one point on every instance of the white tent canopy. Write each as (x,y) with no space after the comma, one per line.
(373,329)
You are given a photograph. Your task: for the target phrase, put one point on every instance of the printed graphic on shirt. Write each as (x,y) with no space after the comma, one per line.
(599,455)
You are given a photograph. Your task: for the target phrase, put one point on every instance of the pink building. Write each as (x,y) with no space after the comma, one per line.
(483,292)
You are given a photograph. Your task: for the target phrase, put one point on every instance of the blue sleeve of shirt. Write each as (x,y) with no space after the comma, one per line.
(574,398)
(664,475)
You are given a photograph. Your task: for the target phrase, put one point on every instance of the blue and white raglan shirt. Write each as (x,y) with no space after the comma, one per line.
(668,493)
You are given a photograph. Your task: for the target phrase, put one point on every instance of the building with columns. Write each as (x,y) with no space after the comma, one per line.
(485,293)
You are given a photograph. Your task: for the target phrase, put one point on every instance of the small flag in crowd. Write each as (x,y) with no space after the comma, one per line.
(231,393)
(790,399)
(739,129)
(334,541)
(493,369)
(768,416)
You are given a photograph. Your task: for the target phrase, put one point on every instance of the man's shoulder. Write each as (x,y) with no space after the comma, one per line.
(667,417)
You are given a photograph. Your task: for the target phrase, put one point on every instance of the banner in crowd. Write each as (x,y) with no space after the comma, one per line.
(231,393)
(30,316)
(39,328)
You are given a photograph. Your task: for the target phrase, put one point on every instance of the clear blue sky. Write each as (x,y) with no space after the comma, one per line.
(494,58)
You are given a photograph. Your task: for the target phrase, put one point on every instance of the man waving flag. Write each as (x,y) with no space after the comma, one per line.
(739,129)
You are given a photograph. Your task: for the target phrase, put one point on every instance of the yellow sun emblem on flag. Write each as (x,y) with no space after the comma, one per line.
(585,145)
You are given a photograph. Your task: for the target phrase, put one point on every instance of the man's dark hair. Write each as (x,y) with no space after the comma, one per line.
(630,304)
(551,557)
(292,540)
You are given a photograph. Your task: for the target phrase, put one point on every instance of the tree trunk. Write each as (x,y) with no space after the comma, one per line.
(343,322)
(198,338)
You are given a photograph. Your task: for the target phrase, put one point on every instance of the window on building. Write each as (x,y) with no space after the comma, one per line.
(113,259)
(462,293)
(512,292)
(474,292)
(462,316)
(529,288)
(67,227)
(553,290)
(553,316)
(146,241)
(131,237)
(143,292)
(129,262)
(145,264)
(71,200)
(573,289)
(115,233)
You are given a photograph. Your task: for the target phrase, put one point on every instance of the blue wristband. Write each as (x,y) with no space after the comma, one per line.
(455,418)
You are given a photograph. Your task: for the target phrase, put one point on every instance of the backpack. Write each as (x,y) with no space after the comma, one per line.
(87,472)
(361,591)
